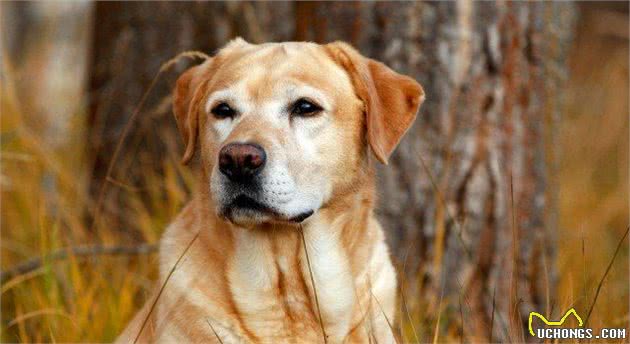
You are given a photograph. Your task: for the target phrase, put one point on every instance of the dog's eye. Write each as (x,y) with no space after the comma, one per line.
(223,110)
(303,107)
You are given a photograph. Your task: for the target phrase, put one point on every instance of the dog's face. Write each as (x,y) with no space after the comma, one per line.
(281,127)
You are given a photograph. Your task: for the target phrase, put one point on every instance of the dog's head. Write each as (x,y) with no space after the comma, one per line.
(281,127)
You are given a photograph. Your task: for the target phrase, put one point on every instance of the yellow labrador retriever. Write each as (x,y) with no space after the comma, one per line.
(280,241)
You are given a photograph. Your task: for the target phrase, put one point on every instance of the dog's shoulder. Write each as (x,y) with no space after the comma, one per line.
(179,233)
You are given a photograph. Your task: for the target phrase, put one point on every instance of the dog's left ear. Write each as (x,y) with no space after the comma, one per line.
(187,97)
(391,100)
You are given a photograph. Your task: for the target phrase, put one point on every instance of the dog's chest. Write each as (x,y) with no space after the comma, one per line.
(271,281)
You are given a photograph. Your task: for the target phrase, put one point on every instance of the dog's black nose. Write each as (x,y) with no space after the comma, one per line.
(241,161)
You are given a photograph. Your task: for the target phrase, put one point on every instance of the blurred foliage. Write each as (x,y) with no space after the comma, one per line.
(45,204)
(593,166)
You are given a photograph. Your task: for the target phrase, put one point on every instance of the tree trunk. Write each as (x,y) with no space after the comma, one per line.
(466,199)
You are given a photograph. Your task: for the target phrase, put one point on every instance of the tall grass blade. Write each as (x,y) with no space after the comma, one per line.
(48,311)
(494,304)
(214,331)
(391,328)
(601,281)
(170,273)
(436,189)
(310,271)
(461,319)
(110,168)
(436,332)
(404,299)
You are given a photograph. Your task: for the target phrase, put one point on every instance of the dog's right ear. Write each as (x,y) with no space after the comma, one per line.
(187,97)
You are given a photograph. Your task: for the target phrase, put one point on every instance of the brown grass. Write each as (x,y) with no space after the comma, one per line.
(45,199)
(593,175)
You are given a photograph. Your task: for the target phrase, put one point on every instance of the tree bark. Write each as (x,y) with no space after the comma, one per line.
(466,200)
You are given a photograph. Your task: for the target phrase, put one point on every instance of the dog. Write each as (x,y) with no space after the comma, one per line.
(280,243)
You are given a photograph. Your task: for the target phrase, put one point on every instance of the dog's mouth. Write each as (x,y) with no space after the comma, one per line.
(248,203)
(247,209)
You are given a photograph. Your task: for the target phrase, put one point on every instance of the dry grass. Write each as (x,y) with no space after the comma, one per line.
(593,175)
(45,202)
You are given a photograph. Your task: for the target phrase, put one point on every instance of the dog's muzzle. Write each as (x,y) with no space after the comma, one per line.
(241,165)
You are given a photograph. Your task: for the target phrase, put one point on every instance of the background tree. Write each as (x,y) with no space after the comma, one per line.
(466,200)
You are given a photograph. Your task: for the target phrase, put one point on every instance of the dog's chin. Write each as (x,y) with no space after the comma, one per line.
(246,218)
(247,212)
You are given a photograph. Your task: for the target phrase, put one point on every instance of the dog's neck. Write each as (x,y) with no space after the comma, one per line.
(335,245)
(346,218)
